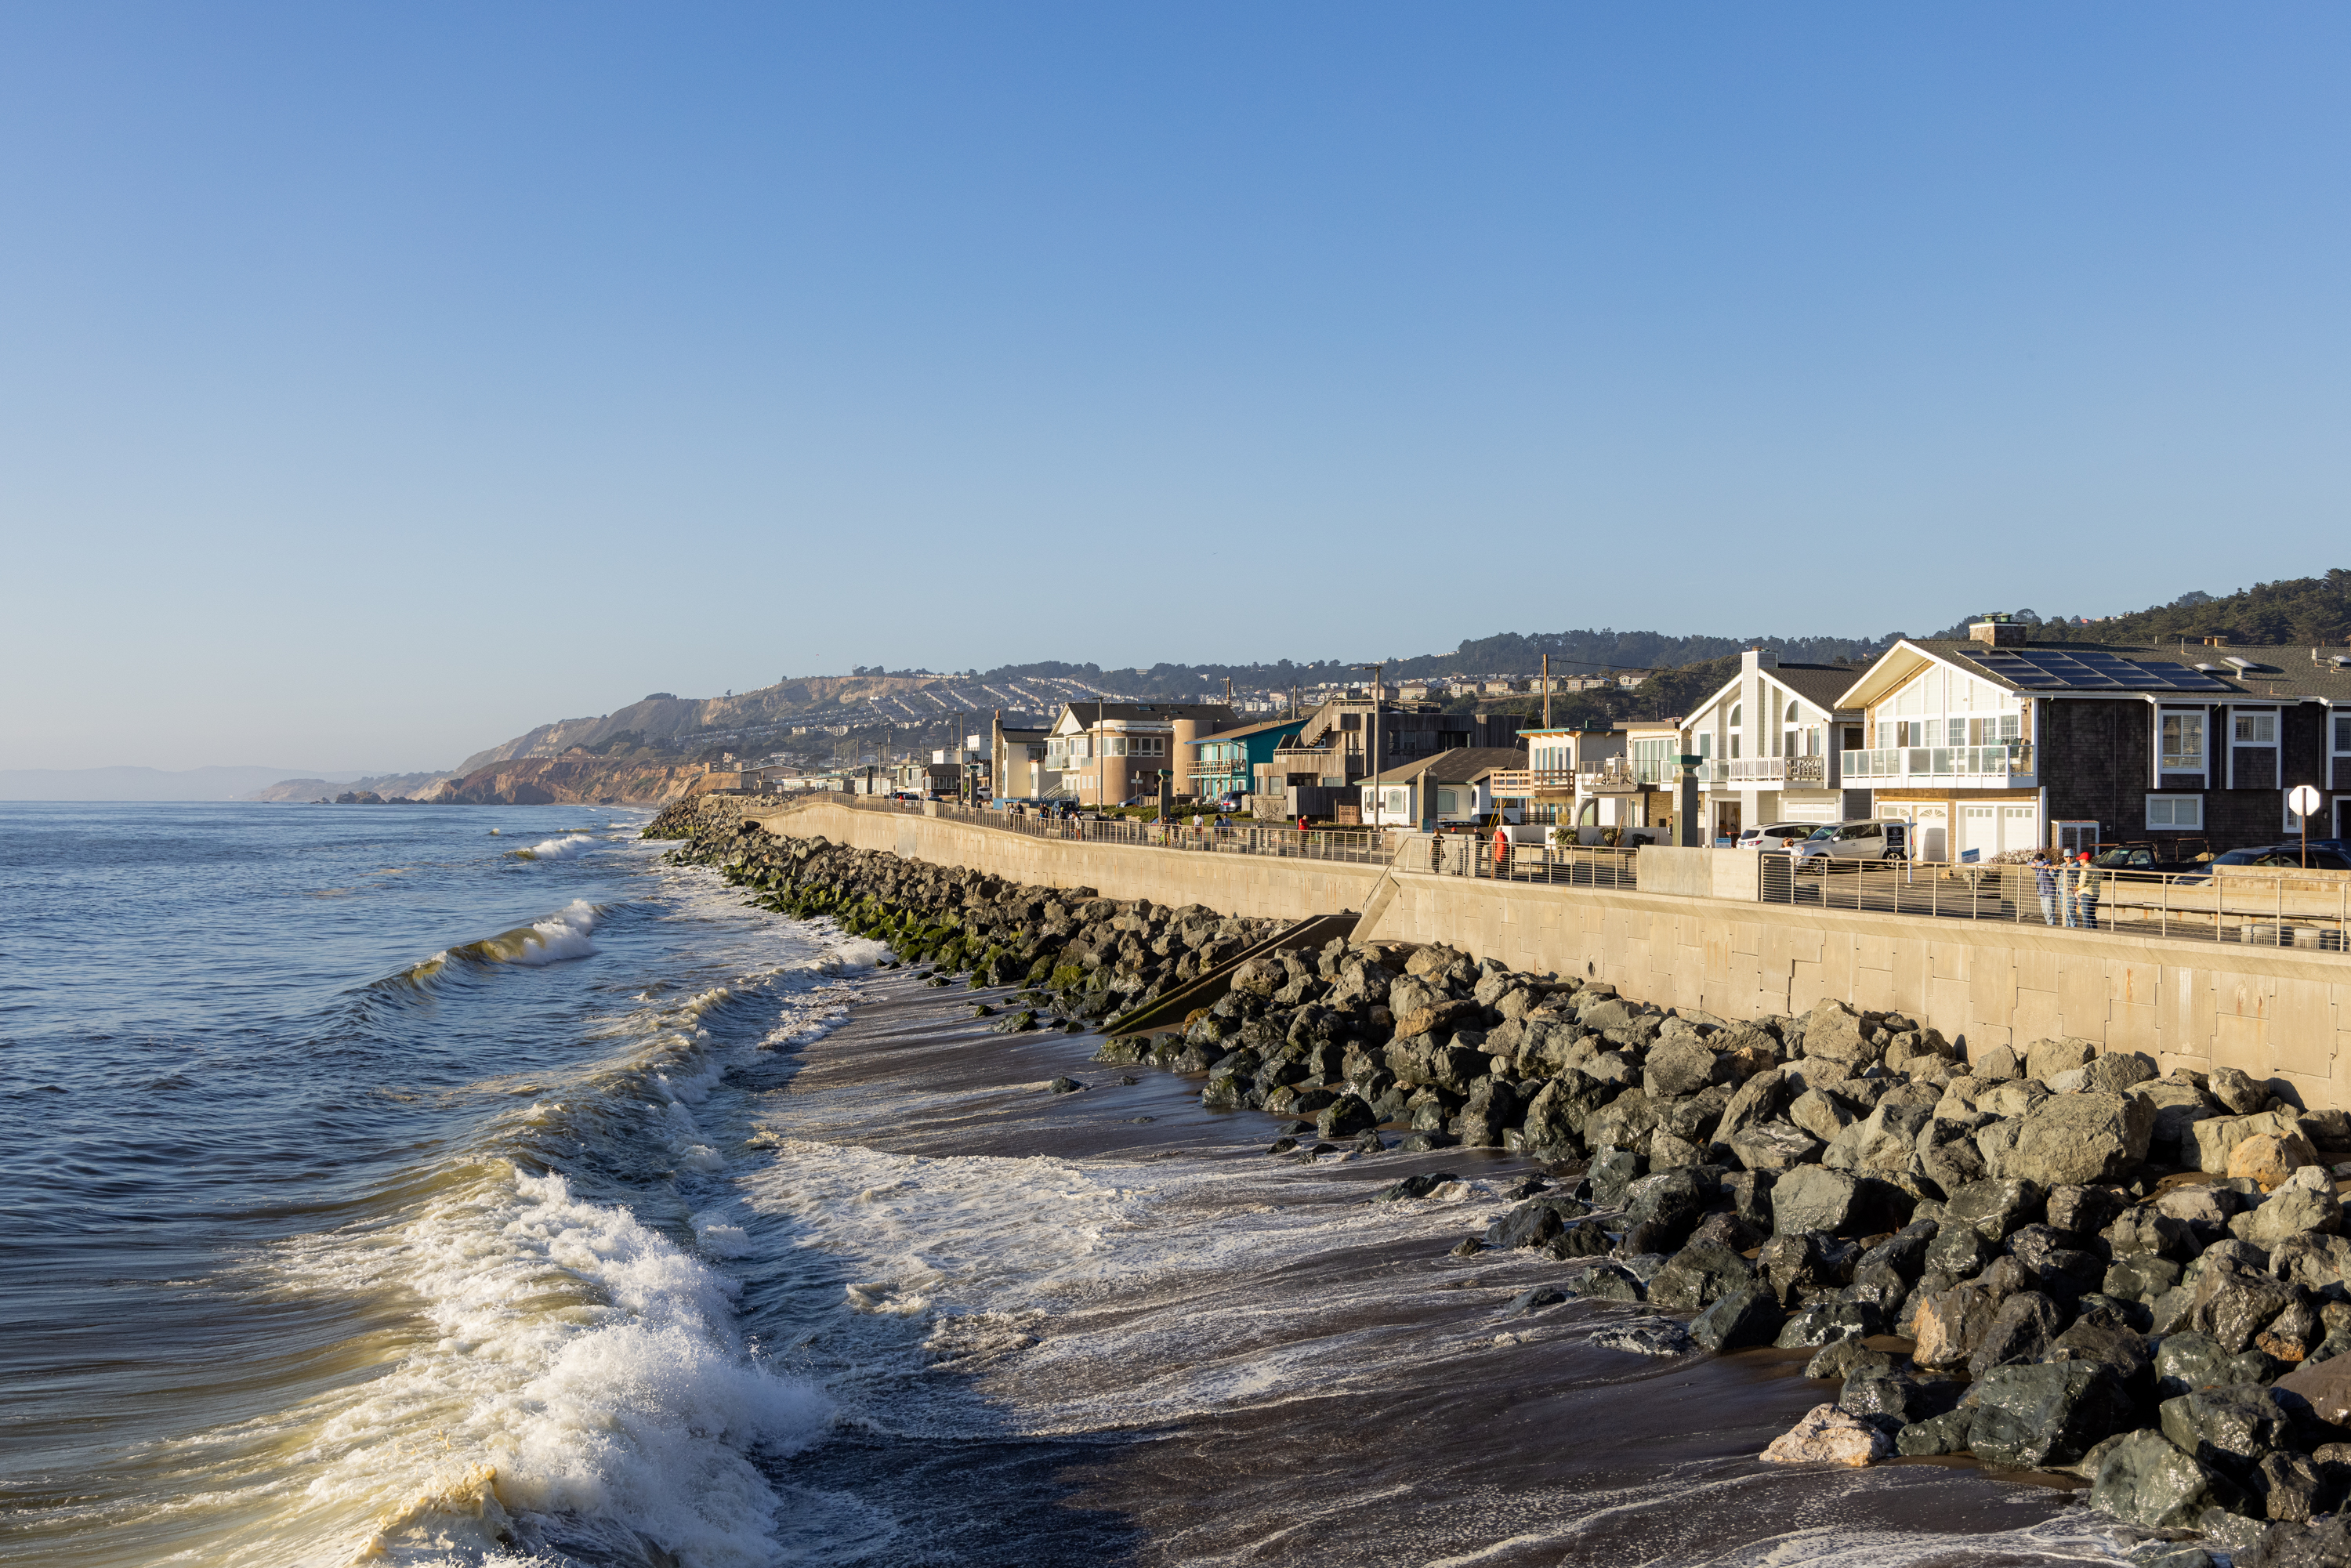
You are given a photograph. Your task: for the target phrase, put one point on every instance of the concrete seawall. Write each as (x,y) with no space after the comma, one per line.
(2275,1015)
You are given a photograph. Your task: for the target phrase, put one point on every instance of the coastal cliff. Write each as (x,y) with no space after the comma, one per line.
(574,781)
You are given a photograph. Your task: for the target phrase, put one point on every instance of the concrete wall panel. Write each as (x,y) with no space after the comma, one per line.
(2279,1015)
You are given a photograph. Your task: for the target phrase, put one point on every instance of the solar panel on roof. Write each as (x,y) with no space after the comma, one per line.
(2090,669)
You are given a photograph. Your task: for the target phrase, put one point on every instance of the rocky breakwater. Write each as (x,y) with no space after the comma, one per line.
(1074,955)
(2044,1260)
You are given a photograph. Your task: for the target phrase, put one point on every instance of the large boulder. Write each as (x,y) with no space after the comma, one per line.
(2269,1160)
(1835,1032)
(1756,1101)
(1996,1208)
(2117,1073)
(1745,1316)
(2020,1333)
(2324,1385)
(2218,1136)
(1949,1326)
(1827,1435)
(2291,1212)
(2238,1092)
(1812,1197)
(1883,1141)
(2044,1058)
(2228,1429)
(1677,1067)
(2145,1480)
(2076,1138)
(2188,1361)
(1772,1146)
(1821,1114)
(2033,1417)
(1556,1115)
(1698,1276)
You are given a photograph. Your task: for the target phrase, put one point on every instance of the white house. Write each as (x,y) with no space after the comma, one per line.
(1447,787)
(1772,739)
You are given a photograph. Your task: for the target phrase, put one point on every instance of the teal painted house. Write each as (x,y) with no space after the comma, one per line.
(1226,764)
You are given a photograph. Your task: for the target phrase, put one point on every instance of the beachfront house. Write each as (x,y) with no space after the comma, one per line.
(1444,789)
(1111,753)
(1774,738)
(1224,765)
(1996,742)
(1015,763)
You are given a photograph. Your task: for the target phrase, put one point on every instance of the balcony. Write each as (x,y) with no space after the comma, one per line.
(1517,783)
(1984,766)
(1750,771)
(1618,776)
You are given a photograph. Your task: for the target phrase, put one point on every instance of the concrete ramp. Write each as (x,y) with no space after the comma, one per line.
(1205,990)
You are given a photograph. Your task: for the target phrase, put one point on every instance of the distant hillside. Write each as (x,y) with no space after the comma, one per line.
(415,786)
(2300,610)
(634,752)
(143,783)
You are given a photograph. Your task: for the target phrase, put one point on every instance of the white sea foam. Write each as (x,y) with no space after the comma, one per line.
(580,1367)
(562,849)
(563,934)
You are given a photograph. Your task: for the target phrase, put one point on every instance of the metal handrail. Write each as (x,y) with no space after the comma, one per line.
(2284,908)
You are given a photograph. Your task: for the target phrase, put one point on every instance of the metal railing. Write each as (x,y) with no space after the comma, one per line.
(2282,909)
(2285,908)
(1474,855)
(1361,847)
(1767,769)
(1994,764)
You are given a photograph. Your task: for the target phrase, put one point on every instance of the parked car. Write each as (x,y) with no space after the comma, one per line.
(1873,839)
(1776,835)
(2286,856)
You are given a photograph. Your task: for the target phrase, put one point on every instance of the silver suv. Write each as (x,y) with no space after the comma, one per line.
(1776,835)
(1876,840)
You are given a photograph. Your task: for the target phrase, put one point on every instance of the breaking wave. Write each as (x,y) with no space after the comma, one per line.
(562,849)
(580,1387)
(561,935)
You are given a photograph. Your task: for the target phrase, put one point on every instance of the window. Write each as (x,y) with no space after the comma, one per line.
(1955,732)
(1737,709)
(1706,744)
(2183,743)
(2257,729)
(1448,802)
(2175,812)
(1395,806)
(2343,732)
(1790,715)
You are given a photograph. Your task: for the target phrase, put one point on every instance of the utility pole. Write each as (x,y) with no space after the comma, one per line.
(1546,681)
(1372,761)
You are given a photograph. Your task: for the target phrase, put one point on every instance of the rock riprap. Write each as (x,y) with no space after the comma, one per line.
(2045,1256)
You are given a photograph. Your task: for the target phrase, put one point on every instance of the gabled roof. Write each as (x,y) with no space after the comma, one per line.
(1821,686)
(2234,673)
(1461,765)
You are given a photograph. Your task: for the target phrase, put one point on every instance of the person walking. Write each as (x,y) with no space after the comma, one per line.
(2086,884)
(2044,882)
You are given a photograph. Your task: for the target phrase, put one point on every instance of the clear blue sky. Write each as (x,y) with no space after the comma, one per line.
(376,381)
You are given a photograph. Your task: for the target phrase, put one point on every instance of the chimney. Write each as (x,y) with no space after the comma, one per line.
(1995,631)
(1755,659)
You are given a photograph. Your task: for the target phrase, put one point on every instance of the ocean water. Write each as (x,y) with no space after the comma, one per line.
(379,1187)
